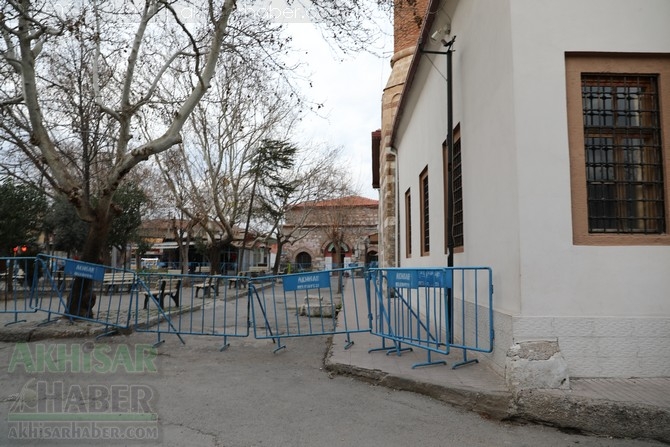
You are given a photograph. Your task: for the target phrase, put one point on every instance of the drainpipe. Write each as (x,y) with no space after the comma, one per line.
(450,157)
(451,241)
(450,148)
(450,184)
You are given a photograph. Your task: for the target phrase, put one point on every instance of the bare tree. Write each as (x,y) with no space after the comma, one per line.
(296,189)
(212,177)
(30,28)
(128,80)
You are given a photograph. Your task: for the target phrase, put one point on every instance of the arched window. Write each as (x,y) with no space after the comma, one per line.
(303,261)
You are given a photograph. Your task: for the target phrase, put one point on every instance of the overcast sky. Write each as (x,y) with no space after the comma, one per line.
(350,90)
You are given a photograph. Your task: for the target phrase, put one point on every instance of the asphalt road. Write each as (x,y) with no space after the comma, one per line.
(244,396)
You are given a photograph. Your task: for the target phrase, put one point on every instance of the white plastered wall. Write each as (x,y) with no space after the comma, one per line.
(607,306)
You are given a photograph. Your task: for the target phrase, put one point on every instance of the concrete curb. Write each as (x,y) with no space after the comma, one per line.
(596,416)
(495,405)
(590,416)
(56,328)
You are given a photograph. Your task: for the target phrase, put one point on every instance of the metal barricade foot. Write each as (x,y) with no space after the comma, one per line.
(465,361)
(279,346)
(107,334)
(428,362)
(14,322)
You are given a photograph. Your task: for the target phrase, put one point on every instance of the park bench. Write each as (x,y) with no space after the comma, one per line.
(203,269)
(238,281)
(209,285)
(257,271)
(18,276)
(161,293)
(116,280)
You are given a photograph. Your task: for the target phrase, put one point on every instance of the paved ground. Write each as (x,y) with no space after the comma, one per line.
(632,408)
(618,407)
(637,407)
(248,396)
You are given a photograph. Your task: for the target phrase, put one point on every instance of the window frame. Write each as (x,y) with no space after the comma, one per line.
(578,64)
(424,213)
(457,218)
(408,223)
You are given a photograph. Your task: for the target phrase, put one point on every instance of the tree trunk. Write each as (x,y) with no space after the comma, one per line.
(183,245)
(340,260)
(214,254)
(280,247)
(81,300)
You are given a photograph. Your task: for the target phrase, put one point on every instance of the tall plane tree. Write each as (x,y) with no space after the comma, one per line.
(211,178)
(132,52)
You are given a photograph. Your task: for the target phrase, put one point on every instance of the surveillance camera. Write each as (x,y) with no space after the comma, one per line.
(444,30)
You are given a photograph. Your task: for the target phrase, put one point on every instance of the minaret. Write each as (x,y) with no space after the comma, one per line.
(408,17)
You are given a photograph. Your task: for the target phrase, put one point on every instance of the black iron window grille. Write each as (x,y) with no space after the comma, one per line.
(408,223)
(425,214)
(458,195)
(623,152)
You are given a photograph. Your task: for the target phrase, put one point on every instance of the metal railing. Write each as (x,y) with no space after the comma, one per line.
(84,291)
(308,304)
(435,309)
(213,305)
(17,279)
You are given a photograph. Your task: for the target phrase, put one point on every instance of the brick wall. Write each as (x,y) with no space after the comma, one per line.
(358,222)
(407,19)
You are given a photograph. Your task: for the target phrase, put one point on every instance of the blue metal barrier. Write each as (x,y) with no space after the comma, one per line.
(472,309)
(213,305)
(433,309)
(17,279)
(67,284)
(308,304)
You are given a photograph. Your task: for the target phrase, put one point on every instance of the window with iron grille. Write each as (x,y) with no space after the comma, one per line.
(618,110)
(457,194)
(453,172)
(408,224)
(424,212)
(623,154)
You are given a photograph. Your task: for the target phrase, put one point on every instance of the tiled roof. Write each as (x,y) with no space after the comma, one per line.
(343,201)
